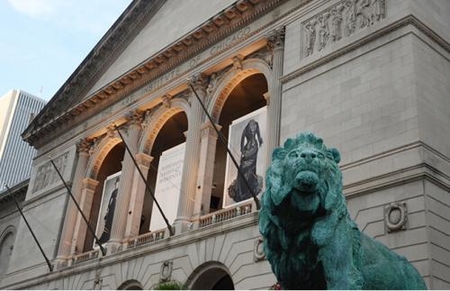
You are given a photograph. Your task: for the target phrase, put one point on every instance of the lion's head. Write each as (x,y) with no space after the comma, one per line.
(304,175)
(303,187)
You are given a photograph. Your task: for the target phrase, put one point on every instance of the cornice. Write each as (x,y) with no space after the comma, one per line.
(207,34)
(19,191)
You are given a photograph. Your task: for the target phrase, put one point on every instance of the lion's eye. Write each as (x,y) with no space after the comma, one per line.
(293,154)
(321,156)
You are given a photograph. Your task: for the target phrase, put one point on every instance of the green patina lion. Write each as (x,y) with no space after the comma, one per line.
(309,238)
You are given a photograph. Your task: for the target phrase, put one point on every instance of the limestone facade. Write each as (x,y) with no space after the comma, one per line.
(368,76)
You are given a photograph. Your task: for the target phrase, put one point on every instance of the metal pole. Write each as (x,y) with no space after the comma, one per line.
(102,249)
(146,184)
(50,266)
(222,139)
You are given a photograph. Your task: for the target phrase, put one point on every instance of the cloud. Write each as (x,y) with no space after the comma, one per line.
(36,8)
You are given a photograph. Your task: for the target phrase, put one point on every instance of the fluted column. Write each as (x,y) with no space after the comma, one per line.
(190,166)
(121,213)
(66,242)
(138,192)
(206,169)
(275,43)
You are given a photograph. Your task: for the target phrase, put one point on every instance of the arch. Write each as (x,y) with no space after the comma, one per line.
(99,156)
(210,276)
(5,250)
(232,79)
(131,285)
(157,121)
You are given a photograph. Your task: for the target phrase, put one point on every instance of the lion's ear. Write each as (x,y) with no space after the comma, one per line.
(278,154)
(336,155)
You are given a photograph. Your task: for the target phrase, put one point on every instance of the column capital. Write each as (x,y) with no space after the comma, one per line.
(135,117)
(199,82)
(84,145)
(276,39)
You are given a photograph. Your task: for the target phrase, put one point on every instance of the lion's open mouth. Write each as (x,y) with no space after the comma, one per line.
(306,181)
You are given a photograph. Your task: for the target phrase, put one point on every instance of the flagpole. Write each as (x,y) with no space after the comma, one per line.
(50,266)
(79,209)
(222,139)
(171,231)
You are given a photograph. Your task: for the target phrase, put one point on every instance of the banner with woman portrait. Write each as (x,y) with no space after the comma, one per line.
(107,207)
(246,140)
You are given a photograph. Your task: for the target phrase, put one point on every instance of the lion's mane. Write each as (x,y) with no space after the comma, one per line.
(309,239)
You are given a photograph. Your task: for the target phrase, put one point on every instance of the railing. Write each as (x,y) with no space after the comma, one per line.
(147,238)
(85,257)
(225,214)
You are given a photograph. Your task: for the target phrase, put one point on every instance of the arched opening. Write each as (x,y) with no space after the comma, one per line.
(170,135)
(111,164)
(6,247)
(210,276)
(246,98)
(130,285)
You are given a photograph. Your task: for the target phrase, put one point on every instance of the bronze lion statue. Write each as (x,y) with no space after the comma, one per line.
(309,238)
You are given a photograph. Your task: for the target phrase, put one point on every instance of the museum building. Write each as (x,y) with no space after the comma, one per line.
(164,132)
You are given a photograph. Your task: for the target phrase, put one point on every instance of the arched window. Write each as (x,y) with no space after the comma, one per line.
(6,247)
(239,109)
(171,134)
(111,165)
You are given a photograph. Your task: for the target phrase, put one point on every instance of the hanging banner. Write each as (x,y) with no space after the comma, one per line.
(168,184)
(107,207)
(246,139)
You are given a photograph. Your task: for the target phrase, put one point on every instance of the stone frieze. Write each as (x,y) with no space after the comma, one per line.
(339,21)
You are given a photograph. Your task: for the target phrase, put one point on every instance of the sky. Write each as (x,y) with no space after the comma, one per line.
(42,42)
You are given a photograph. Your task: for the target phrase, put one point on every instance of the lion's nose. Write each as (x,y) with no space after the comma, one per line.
(308,156)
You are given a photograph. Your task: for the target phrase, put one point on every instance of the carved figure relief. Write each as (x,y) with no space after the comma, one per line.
(46,174)
(342,19)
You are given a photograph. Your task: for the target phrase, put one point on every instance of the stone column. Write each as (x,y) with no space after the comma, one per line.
(190,166)
(206,169)
(67,242)
(121,213)
(88,187)
(138,191)
(275,43)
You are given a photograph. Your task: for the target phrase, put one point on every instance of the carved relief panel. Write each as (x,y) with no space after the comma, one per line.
(46,174)
(339,21)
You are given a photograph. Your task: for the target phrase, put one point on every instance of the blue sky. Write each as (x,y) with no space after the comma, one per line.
(43,41)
